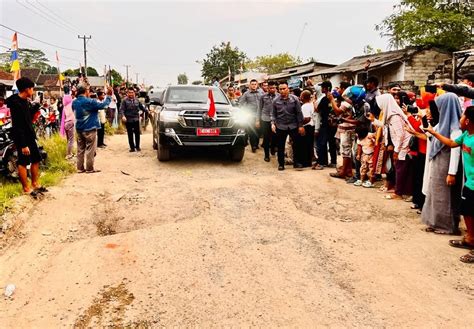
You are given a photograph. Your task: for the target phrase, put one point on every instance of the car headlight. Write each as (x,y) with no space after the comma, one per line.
(169,116)
(242,117)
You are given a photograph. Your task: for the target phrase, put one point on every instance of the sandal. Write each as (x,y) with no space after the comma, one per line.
(414,206)
(383,189)
(461,244)
(392,197)
(317,167)
(467,258)
(337,175)
(92,171)
(34,194)
(41,189)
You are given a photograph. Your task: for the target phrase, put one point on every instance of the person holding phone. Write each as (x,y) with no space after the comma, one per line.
(466,143)
(443,179)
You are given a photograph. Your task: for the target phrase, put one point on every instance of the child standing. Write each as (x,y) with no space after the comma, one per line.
(466,141)
(365,153)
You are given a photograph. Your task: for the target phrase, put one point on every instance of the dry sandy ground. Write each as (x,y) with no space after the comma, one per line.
(201,241)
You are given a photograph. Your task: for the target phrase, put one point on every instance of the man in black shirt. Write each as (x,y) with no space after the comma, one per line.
(287,119)
(326,133)
(24,136)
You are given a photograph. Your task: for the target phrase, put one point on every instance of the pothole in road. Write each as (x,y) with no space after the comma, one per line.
(111,303)
(106,219)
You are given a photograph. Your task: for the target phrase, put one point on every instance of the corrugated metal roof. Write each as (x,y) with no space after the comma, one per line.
(297,70)
(361,63)
(6,82)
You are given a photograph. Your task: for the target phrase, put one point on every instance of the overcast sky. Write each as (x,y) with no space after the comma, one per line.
(160,39)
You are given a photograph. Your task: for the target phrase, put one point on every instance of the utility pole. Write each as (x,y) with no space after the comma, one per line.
(127,66)
(84,37)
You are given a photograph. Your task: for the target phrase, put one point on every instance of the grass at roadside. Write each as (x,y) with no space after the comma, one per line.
(56,168)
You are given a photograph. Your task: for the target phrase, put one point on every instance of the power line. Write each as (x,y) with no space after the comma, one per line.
(38,40)
(52,13)
(50,16)
(39,14)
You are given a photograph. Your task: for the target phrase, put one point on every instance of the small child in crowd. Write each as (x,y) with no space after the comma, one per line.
(365,152)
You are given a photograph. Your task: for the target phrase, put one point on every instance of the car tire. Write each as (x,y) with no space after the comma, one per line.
(237,153)
(163,153)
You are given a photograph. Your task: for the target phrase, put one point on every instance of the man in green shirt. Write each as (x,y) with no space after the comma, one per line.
(466,142)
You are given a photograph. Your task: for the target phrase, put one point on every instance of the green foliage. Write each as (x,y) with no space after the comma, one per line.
(117,78)
(369,50)
(220,59)
(272,64)
(91,72)
(197,82)
(109,130)
(447,25)
(182,79)
(29,58)
(57,167)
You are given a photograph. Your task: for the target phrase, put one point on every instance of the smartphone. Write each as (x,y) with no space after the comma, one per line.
(430,89)
(424,120)
(434,113)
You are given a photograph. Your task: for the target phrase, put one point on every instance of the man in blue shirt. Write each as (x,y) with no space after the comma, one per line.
(87,123)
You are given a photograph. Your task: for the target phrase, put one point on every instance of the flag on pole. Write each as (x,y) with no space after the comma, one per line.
(15,68)
(229,74)
(212,107)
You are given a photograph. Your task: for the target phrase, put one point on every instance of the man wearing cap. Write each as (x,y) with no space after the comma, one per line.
(24,136)
(87,122)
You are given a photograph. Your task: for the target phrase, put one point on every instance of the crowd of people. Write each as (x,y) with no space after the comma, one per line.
(80,116)
(413,143)
(419,146)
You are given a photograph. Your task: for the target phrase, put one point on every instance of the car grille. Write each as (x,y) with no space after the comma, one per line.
(194,119)
(186,139)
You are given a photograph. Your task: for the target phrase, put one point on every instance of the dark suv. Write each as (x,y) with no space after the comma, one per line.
(181,121)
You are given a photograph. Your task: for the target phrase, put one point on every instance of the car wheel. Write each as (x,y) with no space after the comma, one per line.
(163,152)
(237,153)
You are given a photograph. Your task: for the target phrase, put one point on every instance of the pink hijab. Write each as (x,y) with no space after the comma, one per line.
(67,106)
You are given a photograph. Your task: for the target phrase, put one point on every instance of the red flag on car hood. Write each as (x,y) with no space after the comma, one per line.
(212,107)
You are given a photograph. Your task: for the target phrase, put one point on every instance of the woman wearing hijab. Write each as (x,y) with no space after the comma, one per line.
(395,121)
(441,210)
(68,127)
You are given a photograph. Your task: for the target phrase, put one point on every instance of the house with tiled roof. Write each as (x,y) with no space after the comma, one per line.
(6,82)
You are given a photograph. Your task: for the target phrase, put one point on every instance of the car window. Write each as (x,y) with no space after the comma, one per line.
(194,95)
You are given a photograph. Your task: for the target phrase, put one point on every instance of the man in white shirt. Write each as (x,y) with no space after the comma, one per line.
(307,141)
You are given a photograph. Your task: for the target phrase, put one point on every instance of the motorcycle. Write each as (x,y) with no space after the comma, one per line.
(8,152)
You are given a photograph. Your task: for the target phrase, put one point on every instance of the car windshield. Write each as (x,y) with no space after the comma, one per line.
(194,95)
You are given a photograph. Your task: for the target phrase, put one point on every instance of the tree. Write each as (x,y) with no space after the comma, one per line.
(197,82)
(91,72)
(220,59)
(446,24)
(29,58)
(272,64)
(116,77)
(182,79)
(369,50)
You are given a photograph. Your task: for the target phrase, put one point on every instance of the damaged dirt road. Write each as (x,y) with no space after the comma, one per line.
(200,241)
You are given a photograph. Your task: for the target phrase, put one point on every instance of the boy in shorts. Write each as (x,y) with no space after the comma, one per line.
(24,136)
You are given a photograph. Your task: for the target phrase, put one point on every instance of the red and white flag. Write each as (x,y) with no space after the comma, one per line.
(212,107)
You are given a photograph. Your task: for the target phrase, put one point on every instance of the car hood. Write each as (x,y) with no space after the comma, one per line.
(195,107)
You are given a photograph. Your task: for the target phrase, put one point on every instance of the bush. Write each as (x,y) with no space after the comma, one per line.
(109,130)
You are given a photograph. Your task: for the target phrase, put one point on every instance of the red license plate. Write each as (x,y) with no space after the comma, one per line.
(208,131)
